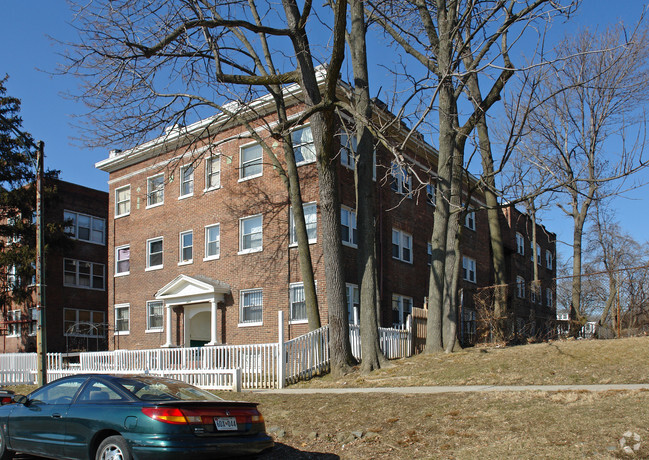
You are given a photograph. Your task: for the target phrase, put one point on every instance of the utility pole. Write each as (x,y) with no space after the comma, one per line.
(41,336)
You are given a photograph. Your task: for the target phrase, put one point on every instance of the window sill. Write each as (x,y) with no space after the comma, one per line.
(118,275)
(211,189)
(187,262)
(151,269)
(184,197)
(122,215)
(154,331)
(294,245)
(404,261)
(350,245)
(250,251)
(122,333)
(217,257)
(150,206)
(250,324)
(244,179)
(299,321)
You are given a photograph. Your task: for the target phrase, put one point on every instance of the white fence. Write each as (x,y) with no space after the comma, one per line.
(224,367)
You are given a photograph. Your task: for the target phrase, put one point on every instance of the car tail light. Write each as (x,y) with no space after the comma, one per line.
(166,414)
(6,400)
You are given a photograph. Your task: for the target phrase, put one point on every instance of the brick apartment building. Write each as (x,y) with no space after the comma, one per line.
(75,279)
(201,248)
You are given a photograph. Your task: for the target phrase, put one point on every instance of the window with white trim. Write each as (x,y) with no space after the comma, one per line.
(13,223)
(520,287)
(468,269)
(348,148)
(12,277)
(251,306)
(297,310)
(155,190)
(348,226)
(303,145)
(186,181)
(353,303)
(430,194)
(250,161)
(401,246)
(311,218)
(123,201)
(212,241)
(213,172)
(13,326)
(401,308)
(251,234)
(122,319)
(520,244)
(122,260)
(83,323)
(154,315)
(84,227)
(186,247)
(401,181)
(33,325)
(548,260)
(469,220)
(82,274)
(154,259)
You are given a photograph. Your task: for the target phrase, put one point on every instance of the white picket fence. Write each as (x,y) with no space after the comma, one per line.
(223,367)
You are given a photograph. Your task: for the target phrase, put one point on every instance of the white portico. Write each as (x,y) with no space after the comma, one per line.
(199,296)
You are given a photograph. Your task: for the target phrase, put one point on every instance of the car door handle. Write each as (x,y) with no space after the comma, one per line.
(57,416)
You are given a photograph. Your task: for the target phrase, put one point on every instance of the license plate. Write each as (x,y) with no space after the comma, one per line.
(226,423)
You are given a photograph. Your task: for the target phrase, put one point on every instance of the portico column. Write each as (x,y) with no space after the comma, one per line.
(168,343)
(213,323)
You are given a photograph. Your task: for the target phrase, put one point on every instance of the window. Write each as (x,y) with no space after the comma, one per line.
(186,181)
(97,391)
(58,393)
(212,241)
(311,218)
(401,246)
(538,254)
(83,323)
(122,260)
(520,287)
(520,244)
(401,180)
(154,315)
(298,305)
(429,250)
(13,326)
(14,222)
(84,227)
(155,190)
(401,308)
(468,269)
(251,157)
(213,172)
(533,296)
(348,226)
(154,253)
(81,274)
(186,247)
(548,297)
(469,220)
(250,229)
(123,201)
(348,147)
(548,260)
(430,194)
(122,319)
(33,325)
(353,303)
(303,145)
(12,277)
(251,306)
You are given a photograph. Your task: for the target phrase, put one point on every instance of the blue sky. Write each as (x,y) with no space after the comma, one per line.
(47,115)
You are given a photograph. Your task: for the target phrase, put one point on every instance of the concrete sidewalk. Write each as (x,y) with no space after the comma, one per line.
(458,389)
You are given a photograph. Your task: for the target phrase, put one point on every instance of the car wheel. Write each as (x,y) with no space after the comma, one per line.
(4,453)
(113,448)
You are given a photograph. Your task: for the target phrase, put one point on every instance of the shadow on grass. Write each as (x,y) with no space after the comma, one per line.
(283,452)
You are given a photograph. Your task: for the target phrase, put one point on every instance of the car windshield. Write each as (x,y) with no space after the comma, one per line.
(161,389)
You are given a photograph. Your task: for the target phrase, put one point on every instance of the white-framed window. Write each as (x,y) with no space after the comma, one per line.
(13,326)
(213,172)
(520,244)
(297,310)
(212,241)
(84,227)
(303,145)
(122,319)
(520,287)
(154,315)
(353,303)
(311,218)
(84,323)
(348,226)
(469,220)
(12,277)
(82,274)
(401,181)
(401,246)
(548,260)
(186,246)
(250,161)
(123,201)
(154,259)
(430,194)
(122,260)
(348,148)
(429,250)
(251,234)
(548,297)
(13,222)
(186,181)
(33,325)
(401,308)
(468,269)
(251,307)
(155,190)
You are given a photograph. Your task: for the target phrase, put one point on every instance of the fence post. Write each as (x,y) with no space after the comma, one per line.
(281,350)
(236,380)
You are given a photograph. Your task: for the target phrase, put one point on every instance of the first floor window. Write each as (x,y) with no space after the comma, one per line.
(186,246)
(154,253)
(468,269)
(154,315)
(401,246)
(13,318)
(212,241)
(311,218)
(353,303)
(348,226)
(122,260)
(250,229)
(298,303)
(83,323)
(401,308)
(122,318)
(251,306)
(520,287)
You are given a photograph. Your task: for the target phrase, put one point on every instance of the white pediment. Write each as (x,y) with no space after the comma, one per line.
(189,289)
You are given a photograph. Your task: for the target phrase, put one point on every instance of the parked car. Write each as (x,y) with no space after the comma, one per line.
(6,396)
(116,417)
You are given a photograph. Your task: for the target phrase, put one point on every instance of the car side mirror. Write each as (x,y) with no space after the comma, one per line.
(21,399)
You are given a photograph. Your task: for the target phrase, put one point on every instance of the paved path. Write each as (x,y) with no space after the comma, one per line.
(458,389)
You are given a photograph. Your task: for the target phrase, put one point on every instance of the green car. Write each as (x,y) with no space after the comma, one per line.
(113,417)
